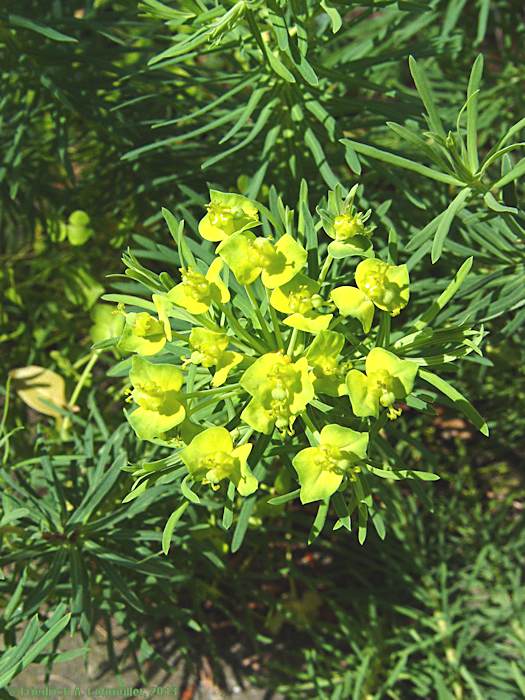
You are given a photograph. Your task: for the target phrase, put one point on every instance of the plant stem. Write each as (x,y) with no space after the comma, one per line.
(275,323)
(311,427)
(291,344)
(264,327)
(250,340)
(78,388)
(247,435)
(383,334)
(212,392)
(325,268)
(351,337)
(82,380)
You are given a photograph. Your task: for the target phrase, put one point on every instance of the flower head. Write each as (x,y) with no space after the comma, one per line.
(197,292)
(249,256)
(346,225)
(321,469)
(227,213)
(280,388)
(211,457)
(351,301)
(388,378)
(108,322)
(156,390)
(387,286)
(142,333)
(349,225)
(300,299)
(323,358)
(210,349)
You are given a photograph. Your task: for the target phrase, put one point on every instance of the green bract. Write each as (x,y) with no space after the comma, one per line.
(300,299)
(346,225)
(328,370)
(227,214)
(351,301)
(321,469)
(387,379)
(156,391)
(107,323)
(209,350)
(249,256)
(142,333)
(280,388)
(386,285)
(211,457)
(197,292)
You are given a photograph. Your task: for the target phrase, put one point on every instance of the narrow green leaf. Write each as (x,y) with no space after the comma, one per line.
(517,171)
(476,690)
(334,15)
(444,225)
(401,162)
(130,300)
(425,92)
(459,401)
(398,474)
(285,498)
(443,299)
(482,20)
(362,512)
(321,161)
(379,524)
(242,523)
(472,113)
(227,514)
(245,113)
(279,68)
(186,490)
(492,203)
(24,23)
(170,526)
(319,521)
(342,510)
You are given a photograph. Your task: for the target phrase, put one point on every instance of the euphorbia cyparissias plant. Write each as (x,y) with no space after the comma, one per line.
(252,353)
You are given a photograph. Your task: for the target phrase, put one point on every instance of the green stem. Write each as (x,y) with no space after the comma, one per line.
(250,340)
(85,374)
(326,266)
(275,324)
(247,435)
(179,336)
(78,388)
(82,361)
(383,334)
(228,389)
(204,404)
(264,326)
(311,427)
(293,340)
(358,344)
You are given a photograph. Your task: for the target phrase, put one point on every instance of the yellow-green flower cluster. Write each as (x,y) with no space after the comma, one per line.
(259,341)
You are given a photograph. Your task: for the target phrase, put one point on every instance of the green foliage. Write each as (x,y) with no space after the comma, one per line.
(411,115)
(32,643)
